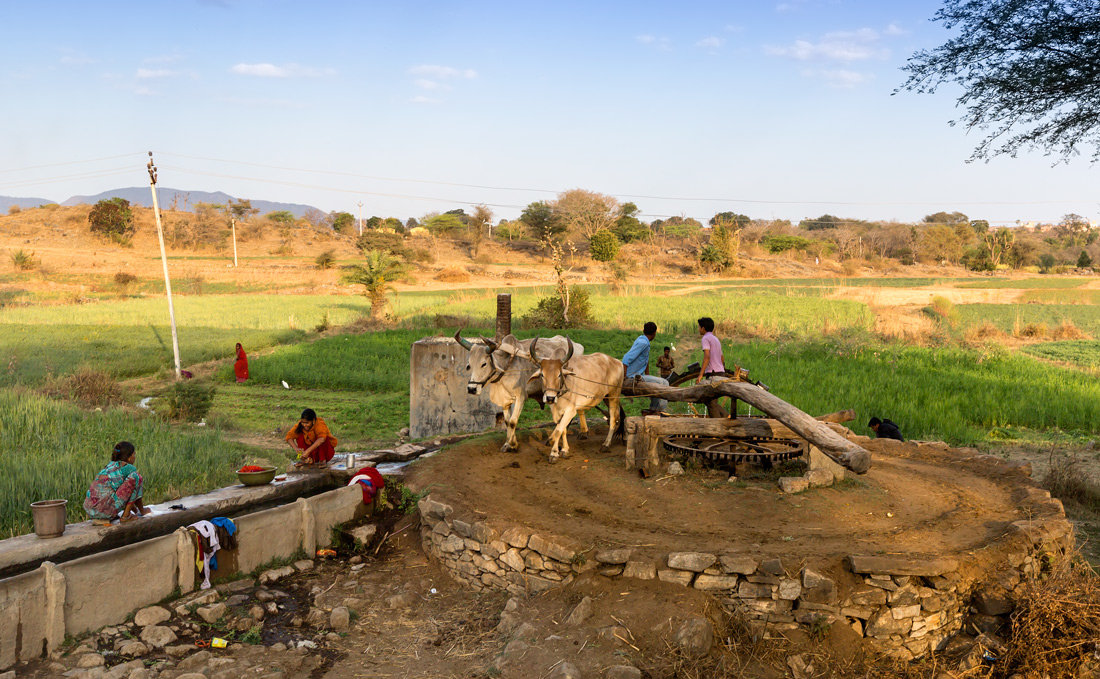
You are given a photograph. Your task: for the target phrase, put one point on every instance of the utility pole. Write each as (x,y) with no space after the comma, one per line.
(164,261)
(360,218)
(233,224)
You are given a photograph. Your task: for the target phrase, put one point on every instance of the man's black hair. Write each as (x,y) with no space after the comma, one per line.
(874,421)
(706,323)
(650,328)
(667,348)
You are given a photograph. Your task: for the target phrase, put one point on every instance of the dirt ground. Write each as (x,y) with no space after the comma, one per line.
(912,503)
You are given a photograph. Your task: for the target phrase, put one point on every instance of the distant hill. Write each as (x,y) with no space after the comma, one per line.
(139,195)
(185,200)
(8,201)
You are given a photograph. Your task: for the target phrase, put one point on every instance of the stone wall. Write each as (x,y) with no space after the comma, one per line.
(39,608)
(438,402)
(904,605)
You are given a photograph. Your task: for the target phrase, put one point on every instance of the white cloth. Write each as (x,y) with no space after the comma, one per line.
(207,530)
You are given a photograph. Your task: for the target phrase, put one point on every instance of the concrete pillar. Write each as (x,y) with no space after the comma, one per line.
(55,607)
(185,560)
(309,527)
(438,402)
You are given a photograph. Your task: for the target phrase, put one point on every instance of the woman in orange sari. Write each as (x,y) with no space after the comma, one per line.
(312,439)
(240,368)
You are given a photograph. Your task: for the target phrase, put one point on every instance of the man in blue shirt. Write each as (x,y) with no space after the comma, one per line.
(636,362)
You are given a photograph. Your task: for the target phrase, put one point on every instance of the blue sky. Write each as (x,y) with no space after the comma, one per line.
(772,109)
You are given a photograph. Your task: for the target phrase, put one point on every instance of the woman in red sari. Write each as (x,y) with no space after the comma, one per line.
(312,439)
(240,368)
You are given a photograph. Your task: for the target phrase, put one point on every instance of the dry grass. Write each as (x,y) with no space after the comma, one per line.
(1066,330)
(1067,479)
(1031,330)
(453,274)
(985,332)
(895,324)
(87,386)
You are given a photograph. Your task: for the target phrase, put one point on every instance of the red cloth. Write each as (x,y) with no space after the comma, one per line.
(240,368)
(322,453)
(376,480)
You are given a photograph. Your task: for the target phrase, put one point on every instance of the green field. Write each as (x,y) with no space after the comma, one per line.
(1043,283)
(1010,317)
(1083,353)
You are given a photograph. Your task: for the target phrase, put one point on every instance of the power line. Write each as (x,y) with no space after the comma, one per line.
(65,178)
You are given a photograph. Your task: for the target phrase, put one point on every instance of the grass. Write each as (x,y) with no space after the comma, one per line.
(1010,317)
(54,450)
(1061,297)
(1044,283)
(1083,353)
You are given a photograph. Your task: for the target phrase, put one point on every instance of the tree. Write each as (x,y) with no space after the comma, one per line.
(732,219)
(240,208)
(941,242)
(112,218)
(1073,230)
(411,223)
(444,223)
(825,221)
(540,218)
(1028,70)
(585,212)
(375,275)
(604,246)
(283,217)
(980,226)
(343,222)
(627,226)
(478,224)
(679,227)
(998,243)
(947,218)
(1084,261)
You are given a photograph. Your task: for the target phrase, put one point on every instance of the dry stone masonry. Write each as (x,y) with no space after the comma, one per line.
(903,605)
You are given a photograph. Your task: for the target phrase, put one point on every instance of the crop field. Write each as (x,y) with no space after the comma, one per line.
(1068,296)
(1010,317)
(1083,353)
(54,450)
(1043,283)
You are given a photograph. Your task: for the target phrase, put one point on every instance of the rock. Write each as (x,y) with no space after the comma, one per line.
(236,600)
(732,563)
(275,574)
(789,589)
(307,644)
(580,612)
(793,484)
(236,586)
(613,633)
(212,613)
(525,631)
(713,582)
(364,534)
(550,549)
(139,673)
(691,561)
(157,636)
(265,595)
(152,615)
(678,577)
(399,600)
(132,648)
(509,621)
(513,651)
(191,675)
(623,672)
(256,612)
(695,637)
(800,668)
(316,618)
(303,565)
(340,618)
(899,565)
(818,478)
(640,570)
(178,650)
(883,624)
(565,670)
(355,560)
(90,660)
(513,560)
(193,662)
(614,556)
(675,469)
(773,567)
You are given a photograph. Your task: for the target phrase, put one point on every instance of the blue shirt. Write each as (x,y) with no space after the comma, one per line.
(637,359)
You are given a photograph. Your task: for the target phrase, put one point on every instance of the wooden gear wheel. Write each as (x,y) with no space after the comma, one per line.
(723,453)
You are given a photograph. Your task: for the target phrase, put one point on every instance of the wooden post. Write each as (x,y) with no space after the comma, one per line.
(504,315)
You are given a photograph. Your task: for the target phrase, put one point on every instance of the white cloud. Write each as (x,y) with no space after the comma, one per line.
(265,70)
(843,78)
(663,44)
(894,29)
(443,72)
(844,46)
(148,73)
(421,99)
(710,42)
(425,84)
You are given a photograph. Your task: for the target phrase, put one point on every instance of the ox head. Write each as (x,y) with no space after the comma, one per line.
(552,371)
(480,364)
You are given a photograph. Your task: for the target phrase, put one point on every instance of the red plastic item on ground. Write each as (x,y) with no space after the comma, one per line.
(326,552)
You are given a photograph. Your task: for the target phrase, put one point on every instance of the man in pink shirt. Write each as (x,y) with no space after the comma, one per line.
(712,365)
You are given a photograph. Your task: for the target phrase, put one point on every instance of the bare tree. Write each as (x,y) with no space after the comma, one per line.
(586,212)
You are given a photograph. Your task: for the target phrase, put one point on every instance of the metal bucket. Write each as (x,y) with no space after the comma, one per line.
(49,518)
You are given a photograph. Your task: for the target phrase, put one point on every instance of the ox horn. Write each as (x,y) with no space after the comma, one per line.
(534,356)
(493,346)
(570,354)
(465,343)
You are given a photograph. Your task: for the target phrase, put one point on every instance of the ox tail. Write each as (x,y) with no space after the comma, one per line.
(620,426)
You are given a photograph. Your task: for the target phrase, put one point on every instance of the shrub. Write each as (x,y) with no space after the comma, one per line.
(383,241)
(548,313)
(281,217)
(604,246)
(1046,262)
(14,210)
(325,260)
(945,309)
(188,401)
(124,280)
(23,260)
(92,388)
(777,244)
(1084,261)
(452,274)
(1066,330)
(112,218)
(1033,330)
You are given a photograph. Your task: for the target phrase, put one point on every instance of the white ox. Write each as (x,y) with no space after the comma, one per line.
(505,368)
(573,385)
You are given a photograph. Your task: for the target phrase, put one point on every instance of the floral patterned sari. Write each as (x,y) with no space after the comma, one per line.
(117,485)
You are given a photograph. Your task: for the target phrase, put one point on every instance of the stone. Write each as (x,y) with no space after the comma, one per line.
(713,582)
(516,537)
(564,670)
(462,528)
(256,612)
(431,509)
(399,600)
(818,478)
(733,563)
(513,560)
(193,662)
(236,600)
(819,460)
(191,675)
(90,660)
(799,666)
(316,618)
(904,596)
(675,576)
(899,565)
(151,615)
(900,612)
(613,633)
(793,484)
(303,565)
(157,636)
(178,650)
(883,624)
(236,585)
(812,579)
(691,561)
(614,556)
(551,549)
(513,651)
(132,648)
(275,574)
(481,532)
(525,630)
(623,672)
(753,590)
(675,468)
(789,589)
(363,534)
(824,593)
(773,567)
(640,570)
(581,612)
(212,613)
(340,618)
(695,637)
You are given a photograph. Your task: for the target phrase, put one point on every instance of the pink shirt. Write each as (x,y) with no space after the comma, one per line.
(714,365)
